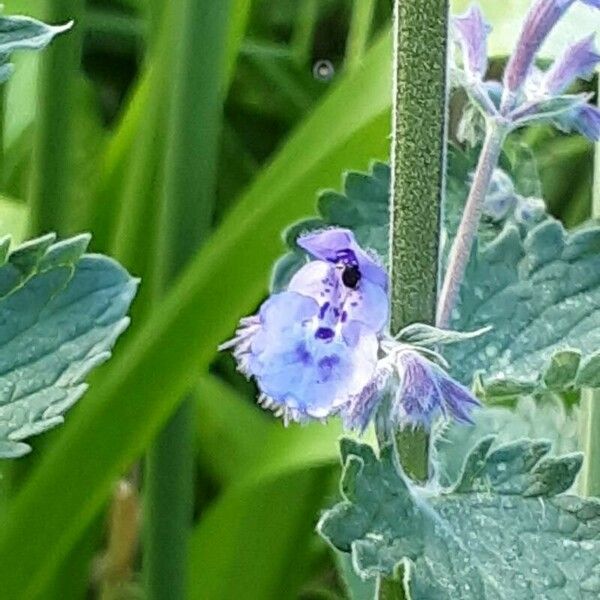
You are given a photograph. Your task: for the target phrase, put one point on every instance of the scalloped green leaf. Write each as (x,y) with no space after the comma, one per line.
(61,311)
(504,529)
(23,33)
(543,418)
(541,294)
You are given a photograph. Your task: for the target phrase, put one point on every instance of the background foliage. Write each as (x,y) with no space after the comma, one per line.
(86,146)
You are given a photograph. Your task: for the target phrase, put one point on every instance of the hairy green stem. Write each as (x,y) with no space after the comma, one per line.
(462,245)
(51,190)
(418,160)
(419,124)
(360,28)
(590,399)
(189,190)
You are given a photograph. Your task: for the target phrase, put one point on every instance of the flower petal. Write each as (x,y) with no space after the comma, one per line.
(339,246)
(418,398)
(471,31)
(584,119)
(541,19)
(578,61)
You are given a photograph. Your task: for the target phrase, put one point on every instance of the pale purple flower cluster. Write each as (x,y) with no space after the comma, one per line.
(526,93)
(319,348)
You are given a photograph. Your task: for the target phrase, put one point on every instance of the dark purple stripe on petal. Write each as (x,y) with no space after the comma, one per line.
(324,333)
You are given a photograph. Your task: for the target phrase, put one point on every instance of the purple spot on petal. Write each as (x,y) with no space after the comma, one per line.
(323,310)
(303,354)
(326,366)
(324,333)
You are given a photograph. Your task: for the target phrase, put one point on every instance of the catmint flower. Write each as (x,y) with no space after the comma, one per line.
(528,94)
(425,392)
(577,62)
(417,389)
(314,346)
(540,21)
(470,33)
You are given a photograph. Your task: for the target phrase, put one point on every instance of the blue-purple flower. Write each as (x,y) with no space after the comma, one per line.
(419,391)
(315,346)
(319,348)
(526,93)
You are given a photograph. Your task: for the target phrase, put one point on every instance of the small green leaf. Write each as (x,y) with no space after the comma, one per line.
(589,373)
(562,369)
(543,418)
(421,334)
(61,312)
(23,33)
(503,530)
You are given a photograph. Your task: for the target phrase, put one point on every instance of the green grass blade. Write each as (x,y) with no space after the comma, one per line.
(51,188)
(247,547)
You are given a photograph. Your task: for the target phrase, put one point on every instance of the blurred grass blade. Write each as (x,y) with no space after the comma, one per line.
(195,113)
(52,188)
(136,396)
(360,28)
(245,547)
(115,191)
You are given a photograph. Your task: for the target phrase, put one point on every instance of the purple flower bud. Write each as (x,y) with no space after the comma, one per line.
(578,61)
(418,389)
(427,391)
(584,118)
(471,31)
(541,19)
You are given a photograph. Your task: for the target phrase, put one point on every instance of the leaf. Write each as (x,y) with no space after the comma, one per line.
(503,530)
(543,418)
(135,397)
(23,33)
(428,336)
(541,295)
(60,314)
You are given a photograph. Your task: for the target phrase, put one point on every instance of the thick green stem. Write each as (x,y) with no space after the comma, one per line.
(467,231)
(590,399)
(51,189)
(418,165)
(419,118)
(193,132)
(360,28)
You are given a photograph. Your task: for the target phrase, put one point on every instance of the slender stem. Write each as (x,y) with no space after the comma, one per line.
(360,28)
(590,399)
(304,30)
(460,251)
(188,199)
(51,192)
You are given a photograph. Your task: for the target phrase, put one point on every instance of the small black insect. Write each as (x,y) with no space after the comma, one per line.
(351,276)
